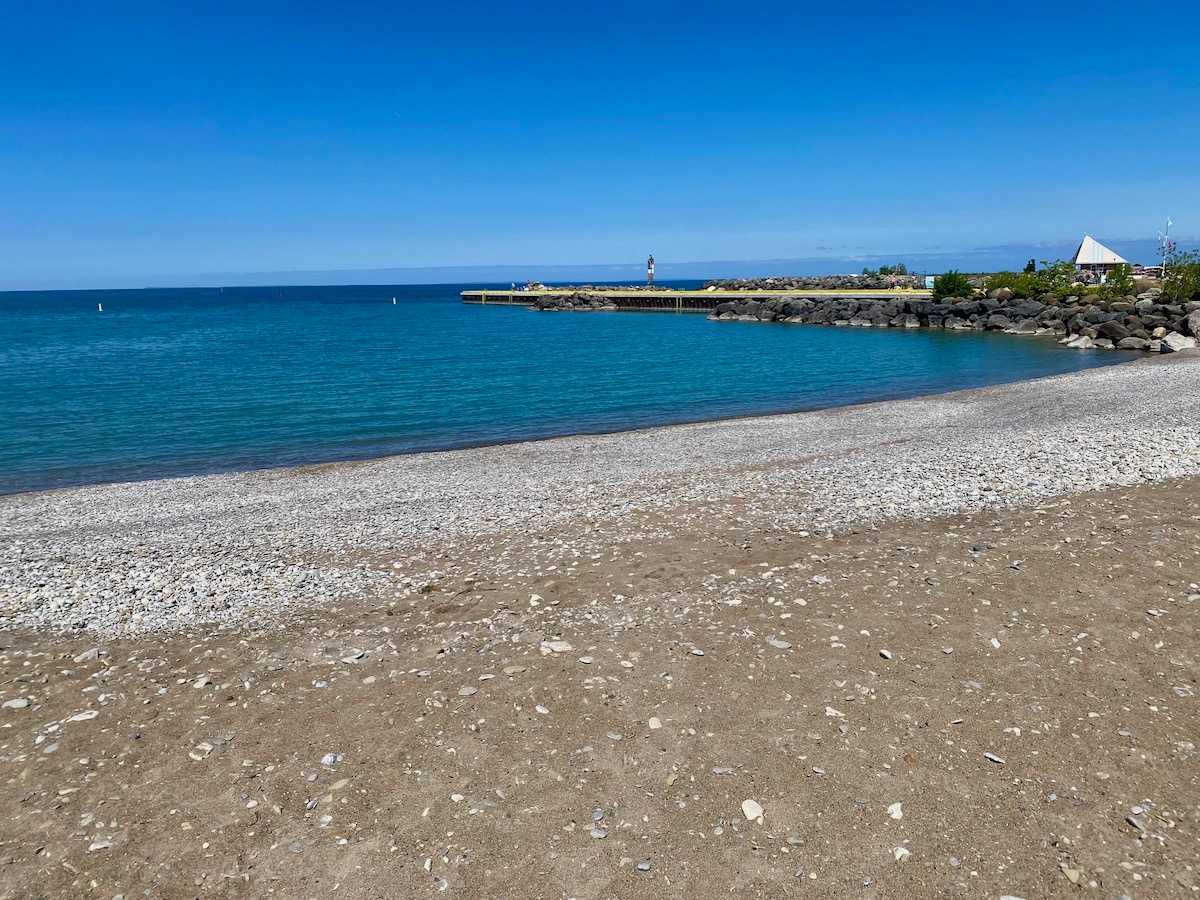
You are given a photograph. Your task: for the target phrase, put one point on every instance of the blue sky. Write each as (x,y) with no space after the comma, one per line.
(151,142)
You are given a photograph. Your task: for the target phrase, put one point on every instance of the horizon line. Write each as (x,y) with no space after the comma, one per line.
(499,272)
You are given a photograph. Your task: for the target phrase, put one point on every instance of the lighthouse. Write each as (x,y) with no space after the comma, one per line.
(650,269)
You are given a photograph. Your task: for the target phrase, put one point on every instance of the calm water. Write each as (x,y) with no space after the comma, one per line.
(172,382)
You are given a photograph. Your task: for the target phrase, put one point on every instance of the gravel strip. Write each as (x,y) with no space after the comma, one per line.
(169,554)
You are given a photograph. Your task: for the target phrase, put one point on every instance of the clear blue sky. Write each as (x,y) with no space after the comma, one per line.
(148,140)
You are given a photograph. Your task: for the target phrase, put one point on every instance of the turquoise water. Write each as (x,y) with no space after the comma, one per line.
(174,382)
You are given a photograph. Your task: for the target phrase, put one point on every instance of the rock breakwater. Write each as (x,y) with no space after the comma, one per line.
(871,282)
(576,300)
(1133,323)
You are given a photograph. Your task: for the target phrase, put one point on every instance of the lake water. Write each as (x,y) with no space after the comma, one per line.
(175,382)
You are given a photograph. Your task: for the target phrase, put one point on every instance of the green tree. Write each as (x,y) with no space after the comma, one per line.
(952,284)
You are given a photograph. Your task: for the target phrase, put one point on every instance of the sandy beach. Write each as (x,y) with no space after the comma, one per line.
(933,647)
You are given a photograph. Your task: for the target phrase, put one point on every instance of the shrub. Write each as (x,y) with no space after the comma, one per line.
(1010,280)
(1181,278)
(1058,277)
(1119,282)
(952,284)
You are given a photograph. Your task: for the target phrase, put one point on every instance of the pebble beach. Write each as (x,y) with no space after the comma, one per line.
(168,554)
(933,647)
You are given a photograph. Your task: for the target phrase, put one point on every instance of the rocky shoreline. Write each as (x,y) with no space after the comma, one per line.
(1145,322)
(1136,323)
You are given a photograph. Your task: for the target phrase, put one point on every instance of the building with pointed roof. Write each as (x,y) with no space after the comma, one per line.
(1093,256)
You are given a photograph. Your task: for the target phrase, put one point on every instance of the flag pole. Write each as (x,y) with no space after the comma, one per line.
(1166,243)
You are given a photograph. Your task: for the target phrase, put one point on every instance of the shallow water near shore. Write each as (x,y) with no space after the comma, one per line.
(173,382)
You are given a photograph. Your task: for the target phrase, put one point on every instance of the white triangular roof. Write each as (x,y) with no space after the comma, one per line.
(1093,253)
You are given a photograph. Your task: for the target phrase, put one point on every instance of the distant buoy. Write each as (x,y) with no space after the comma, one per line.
(393,301)
(99,307)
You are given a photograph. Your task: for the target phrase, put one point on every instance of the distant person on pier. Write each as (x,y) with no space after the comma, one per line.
(650,269)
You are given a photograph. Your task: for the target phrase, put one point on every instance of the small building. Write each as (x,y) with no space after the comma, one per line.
(1093,256)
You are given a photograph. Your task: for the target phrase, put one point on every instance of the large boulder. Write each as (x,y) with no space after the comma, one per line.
(796,306)
(1003,294)
(879,314)
(1193,323)
(1175,341)
(997,323)
(1133,343)
(1112,330)
(843,309)
(1026,309)
(1025,326)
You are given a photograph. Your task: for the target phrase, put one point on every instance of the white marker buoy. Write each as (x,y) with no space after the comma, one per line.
(99,307)
(393,301)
